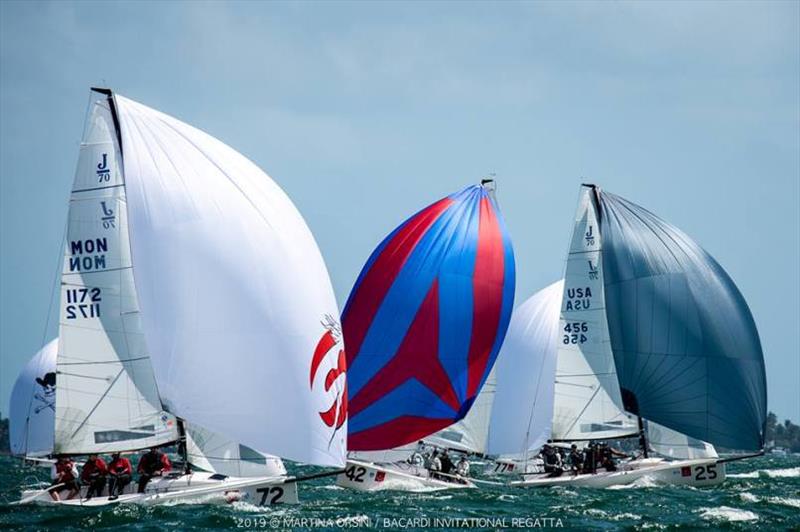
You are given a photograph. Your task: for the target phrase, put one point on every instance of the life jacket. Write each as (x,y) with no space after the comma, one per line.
(66,471)
(120,466)
(92,467)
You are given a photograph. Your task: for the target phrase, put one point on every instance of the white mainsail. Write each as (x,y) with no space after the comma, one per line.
(32,407)
(523,408)
(216,453)
(587,395)
(236,299)
(106,398)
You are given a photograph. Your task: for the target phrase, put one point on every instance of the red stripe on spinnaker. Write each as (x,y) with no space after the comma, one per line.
(399,431)
(417,357)
(323,346)
(487,287)
(378,279)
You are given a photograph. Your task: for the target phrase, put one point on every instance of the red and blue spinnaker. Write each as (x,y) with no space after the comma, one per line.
(426,319)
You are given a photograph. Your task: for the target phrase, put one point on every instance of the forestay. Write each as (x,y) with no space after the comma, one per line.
(425,321)
(587,395)
(32,407)
(236,300)
(522,415)
(685,344)
(106,398)
(216,453)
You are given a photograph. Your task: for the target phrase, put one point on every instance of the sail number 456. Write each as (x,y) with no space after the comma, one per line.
(575,330)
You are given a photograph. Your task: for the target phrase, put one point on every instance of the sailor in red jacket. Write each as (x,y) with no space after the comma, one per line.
(65,476)
(120,472)
(153,463)
(94,475)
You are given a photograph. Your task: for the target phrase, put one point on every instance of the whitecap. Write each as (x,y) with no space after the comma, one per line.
(626,515)
(789,472)
(726,513)
(748,497)
(785,501)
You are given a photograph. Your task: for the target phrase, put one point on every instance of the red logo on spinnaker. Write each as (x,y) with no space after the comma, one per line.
(336,415)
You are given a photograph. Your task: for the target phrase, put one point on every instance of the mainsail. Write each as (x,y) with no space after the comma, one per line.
(687,351)
(32,407)
(587,395)
(523,406)
(106,398)
(237,305)
(425,321)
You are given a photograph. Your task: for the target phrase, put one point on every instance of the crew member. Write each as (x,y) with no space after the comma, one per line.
(575,459)
(447,463)
(64,475)
(119,475)
(552,461)
(94,476)
(462,467)
(153,463)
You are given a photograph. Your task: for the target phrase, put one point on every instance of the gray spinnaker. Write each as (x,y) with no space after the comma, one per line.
(685,344)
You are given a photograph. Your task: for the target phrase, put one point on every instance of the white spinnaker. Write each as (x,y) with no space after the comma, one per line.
(32,407)
(523,407)
(234,291)
(587,396)
(106,397)
(216,453)
(673,444)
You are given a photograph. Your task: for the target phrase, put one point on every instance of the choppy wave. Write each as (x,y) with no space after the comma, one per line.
(763,492)
(726,513)
(789,472)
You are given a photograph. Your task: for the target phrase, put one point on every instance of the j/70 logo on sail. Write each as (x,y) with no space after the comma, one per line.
(336,415)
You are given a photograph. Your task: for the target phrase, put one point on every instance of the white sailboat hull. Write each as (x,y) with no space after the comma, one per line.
(369,476)
(697,473)
(199,487)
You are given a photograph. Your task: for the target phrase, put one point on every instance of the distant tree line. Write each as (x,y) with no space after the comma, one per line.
(786,434)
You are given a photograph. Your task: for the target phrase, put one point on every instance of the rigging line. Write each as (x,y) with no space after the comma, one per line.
(96,404)
(56,278)
(94,362)
(585,406)
(82,376)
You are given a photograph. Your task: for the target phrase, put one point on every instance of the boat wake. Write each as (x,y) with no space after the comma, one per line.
(642,482)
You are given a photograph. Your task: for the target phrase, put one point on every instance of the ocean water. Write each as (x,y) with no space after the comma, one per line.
(760,494)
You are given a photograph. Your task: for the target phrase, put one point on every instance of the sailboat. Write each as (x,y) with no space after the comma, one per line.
(33,407)
(189,281)
(424,324)
(654,338)
(31,423)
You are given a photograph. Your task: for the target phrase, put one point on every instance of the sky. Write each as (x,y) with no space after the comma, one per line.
(366,112)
